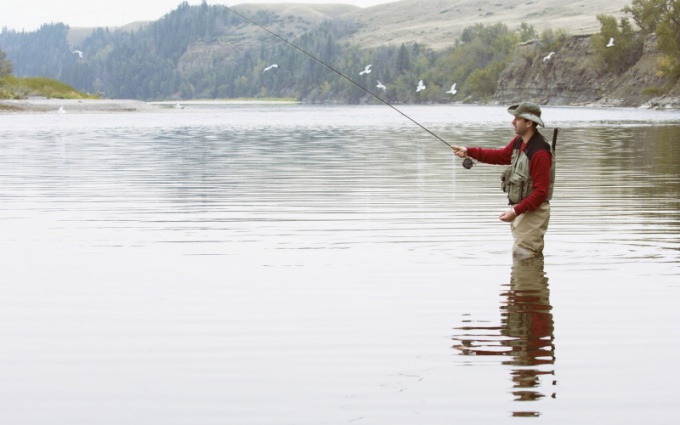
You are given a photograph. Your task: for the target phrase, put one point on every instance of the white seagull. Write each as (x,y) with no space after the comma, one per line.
(366,70)
(381,86)
(272,66)
(453,89)
(178,106)
(79,53)
(611,42)
(61,110)
(547,58)
(421,86)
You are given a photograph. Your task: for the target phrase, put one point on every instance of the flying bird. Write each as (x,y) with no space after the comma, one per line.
(366,70)
(381,86)
(270,67)
(453,89)
(421,86)
(547,58)
(79,53)
(611,42)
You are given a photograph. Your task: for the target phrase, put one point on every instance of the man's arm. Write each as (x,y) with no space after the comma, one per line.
(500,156)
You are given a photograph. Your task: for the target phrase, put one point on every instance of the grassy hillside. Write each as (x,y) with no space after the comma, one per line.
(20,88)
(439,23)
(435,23)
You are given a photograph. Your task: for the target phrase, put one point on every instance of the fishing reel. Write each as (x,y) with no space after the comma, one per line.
(468,163)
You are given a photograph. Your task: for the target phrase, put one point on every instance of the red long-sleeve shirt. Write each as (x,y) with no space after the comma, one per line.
(539,167)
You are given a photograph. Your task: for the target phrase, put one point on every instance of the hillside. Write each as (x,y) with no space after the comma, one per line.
(439,23)
(296,19)
(434,23)
(302,10)
(287,20)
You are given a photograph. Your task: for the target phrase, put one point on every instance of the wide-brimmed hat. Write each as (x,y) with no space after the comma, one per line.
(527,110)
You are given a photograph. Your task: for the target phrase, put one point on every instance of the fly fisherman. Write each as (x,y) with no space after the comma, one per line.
(528,180)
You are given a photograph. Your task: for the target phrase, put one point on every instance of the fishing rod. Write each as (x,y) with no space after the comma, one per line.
(337,72)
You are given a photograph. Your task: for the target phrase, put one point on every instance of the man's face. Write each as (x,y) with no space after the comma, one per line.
(522,126)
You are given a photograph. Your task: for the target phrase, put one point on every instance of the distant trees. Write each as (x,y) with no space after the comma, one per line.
(6,67)
(553,39)
(49,50)
(647,14)
(627,45)
(526,32)
(476,62)
(663,18)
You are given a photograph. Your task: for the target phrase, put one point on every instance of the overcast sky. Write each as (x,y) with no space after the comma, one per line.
(30,14)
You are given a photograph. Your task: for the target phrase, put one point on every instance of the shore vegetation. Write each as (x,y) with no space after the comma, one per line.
(12,87)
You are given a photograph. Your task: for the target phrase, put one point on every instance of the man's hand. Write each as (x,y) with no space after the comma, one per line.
(460,151)
(508,215)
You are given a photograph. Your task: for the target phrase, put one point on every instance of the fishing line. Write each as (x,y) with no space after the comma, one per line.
(339,73)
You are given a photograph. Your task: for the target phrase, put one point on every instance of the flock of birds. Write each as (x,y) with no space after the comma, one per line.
(421,85)
(367,70)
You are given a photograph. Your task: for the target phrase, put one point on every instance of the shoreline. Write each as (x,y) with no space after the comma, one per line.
(51,105)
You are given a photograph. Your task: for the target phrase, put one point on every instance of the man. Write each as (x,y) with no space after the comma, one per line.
(528,180)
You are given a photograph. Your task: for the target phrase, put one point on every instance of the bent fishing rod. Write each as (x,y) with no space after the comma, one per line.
(293,45)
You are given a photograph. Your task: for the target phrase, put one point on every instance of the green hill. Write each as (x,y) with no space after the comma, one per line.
(19,88)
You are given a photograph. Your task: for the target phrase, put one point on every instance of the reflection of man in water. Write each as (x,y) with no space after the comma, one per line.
(526,332)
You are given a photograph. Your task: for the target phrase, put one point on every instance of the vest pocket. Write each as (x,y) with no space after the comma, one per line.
(505,177)
(516,187)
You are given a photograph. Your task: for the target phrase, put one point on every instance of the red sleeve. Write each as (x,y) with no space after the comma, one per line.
(539,165)
(500,156)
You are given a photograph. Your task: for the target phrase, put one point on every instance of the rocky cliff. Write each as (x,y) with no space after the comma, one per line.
(574,75)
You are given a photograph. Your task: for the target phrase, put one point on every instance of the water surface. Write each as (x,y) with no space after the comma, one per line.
(322,265)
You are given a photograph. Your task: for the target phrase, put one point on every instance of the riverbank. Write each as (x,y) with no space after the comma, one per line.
(66,106)
(48,105)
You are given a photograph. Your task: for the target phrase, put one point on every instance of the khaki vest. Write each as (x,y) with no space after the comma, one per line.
(516,180)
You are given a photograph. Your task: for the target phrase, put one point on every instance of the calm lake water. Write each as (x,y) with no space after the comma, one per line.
(325,265)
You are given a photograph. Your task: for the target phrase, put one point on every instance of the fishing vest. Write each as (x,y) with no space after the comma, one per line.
(516,180)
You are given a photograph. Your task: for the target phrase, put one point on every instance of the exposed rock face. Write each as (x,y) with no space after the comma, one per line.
(557,81)
(574,76)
